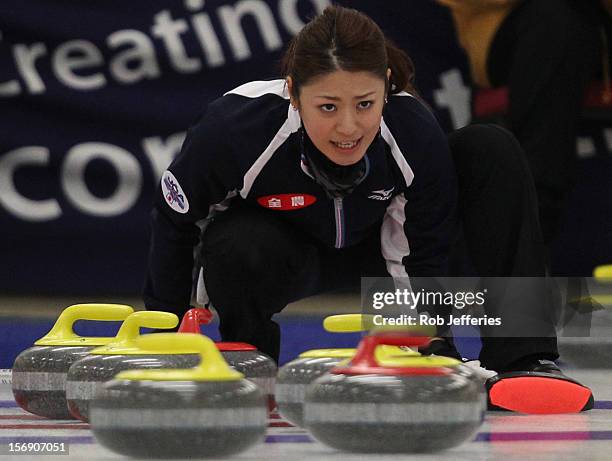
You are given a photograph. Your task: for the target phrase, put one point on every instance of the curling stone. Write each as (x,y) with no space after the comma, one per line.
(367,406)
(86,376)
(206,411)
(294,376)
(39,373)
(245,358)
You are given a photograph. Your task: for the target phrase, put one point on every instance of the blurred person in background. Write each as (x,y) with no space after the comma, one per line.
(545,52)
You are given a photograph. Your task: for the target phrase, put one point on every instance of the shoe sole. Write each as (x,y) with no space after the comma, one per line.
(538,393)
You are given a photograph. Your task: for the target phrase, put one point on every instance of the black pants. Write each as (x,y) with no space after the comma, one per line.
(256,264)
(546,52)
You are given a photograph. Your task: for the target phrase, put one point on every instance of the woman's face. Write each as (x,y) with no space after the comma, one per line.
(341,112)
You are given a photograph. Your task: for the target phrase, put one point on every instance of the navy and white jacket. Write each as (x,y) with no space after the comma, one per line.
(246,147)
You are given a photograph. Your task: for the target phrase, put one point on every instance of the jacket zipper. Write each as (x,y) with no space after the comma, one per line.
(339,215)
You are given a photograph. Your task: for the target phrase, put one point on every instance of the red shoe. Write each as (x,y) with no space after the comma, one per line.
(540,387)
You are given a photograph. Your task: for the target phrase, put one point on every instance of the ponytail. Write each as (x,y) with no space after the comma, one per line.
(402,70)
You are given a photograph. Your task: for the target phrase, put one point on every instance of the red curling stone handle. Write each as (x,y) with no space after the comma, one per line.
(197,316)
(193,318)
(364,361)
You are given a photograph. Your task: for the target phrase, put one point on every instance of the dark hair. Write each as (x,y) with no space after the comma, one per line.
(345,39)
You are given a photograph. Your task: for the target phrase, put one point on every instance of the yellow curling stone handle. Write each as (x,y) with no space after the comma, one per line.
(62,333)
(337,353)
(348,323)
(419,361)
(383,352)
(212,367)
(124,342)
(603,274)
(353,323)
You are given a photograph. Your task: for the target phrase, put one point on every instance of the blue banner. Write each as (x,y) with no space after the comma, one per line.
(95,100)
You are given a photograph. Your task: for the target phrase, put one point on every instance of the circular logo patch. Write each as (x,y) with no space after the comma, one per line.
(174,195)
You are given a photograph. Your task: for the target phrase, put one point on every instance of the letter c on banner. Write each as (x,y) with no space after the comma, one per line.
(23,207)
(75,189)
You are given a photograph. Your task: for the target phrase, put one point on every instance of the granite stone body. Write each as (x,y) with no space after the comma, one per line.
(291,383)
(87,375)
(394,414)
(255,366)
(39,379)
(178,419)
